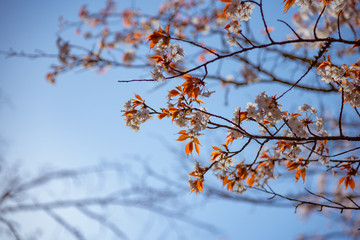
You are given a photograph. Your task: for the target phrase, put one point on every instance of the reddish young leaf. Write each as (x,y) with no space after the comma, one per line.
(341,181)
(265,155)
(250,180)
(217,148)
(302,173)
(138,97)
(288,4)
(197,148)
(189,148)
(357,44)
(183,137)
(352,183)
(173,93)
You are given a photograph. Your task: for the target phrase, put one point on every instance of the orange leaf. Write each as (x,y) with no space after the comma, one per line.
(214,152)
(199,101)
(291,165)
(341,181)
(347,181)
(352,183)
(288,4)
(225,180)
(175,115)
(158,58)
(197,148)
(162,115)
(199,185)
(357,44)
(216,148)
(157,35)
(230,185)
(297,175)
(129,113)
(173,109)
(326,2)
(138,97)
(183,137)
(189,148)
(250,180)
(215,156)
(303,174)
(196,141)
(173,93)
(324,64)
(265,155)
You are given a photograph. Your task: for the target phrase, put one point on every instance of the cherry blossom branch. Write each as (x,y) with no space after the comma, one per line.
(297,35)
(341,112)
(327,199)
(327,40)
(197,45)
(264,22)
(317,21)
(301,202)
(338,24)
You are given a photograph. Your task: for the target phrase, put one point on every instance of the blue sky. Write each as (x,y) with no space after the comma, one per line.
(77,121)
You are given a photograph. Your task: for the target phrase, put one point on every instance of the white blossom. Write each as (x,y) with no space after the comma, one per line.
(127,106)
(199,120)
(303,3)
(157,74)
(239,10)
(297,127)
(181,121)
(252,112)
(268,105)
(235,27)
(137,118)
(222,163)
(319,124)
(230,39)
(234,133)
(175,52)
(239,187)
(160,46)
(307,108)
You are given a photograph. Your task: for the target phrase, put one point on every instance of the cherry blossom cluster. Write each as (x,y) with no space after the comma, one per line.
(351,86)
(266,108)
(235,28)
(268,111)
(199,121)
(167,54)
(239,10)
(336,5)
(235,132)
(157,73)
(134,117)
(348,78)
(310,9)
(222,162)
